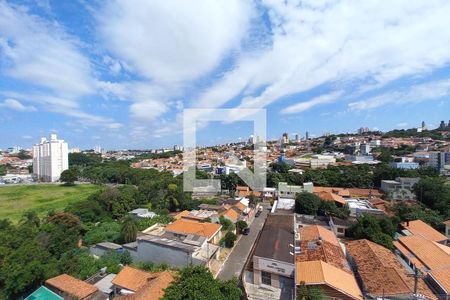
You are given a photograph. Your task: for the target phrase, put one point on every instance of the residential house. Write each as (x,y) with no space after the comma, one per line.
(418,227)
(381,274)
(320,261)
(142,213)
(291,191)
(43,293)
(401,188)
(431,258)
(447,229)
(185,227)
(101,248)
(70,287)
(135,284)
(273,260)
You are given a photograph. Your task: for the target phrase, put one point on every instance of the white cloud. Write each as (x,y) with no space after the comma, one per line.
(303,106)
(339,43)
(16,105)
(41,53)
(417,93)
(170,41)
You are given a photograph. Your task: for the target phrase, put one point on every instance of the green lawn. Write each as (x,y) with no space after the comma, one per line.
(17,199)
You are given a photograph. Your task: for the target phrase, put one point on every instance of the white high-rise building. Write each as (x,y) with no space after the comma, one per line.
(50,158)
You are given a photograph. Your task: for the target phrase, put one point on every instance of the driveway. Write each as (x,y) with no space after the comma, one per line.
(236,260)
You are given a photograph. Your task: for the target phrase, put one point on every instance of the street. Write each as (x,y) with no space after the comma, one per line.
(237,258)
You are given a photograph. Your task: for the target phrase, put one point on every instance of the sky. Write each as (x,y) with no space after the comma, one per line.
(119,74)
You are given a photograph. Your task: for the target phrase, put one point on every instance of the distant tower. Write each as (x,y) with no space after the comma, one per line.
(307,136)
(297,138)
(50,158)
(442,125)
(448,126)
(423,125)
(285,138)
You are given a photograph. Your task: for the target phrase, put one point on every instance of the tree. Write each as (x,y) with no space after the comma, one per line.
(434,193)
(104,232)
(229,239)
(378,230)
(241,225)
(3,170)
(307,203)
(310,292)
(197,283)
(129,230)
(227,225)
(69,177)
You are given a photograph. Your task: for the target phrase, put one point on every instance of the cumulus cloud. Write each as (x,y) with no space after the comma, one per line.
(16,105)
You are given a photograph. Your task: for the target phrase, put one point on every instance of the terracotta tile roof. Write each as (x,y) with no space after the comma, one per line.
(443,277)
(132,279)
(232,214)
(427,252)
(381,271)
(418,227)
(71,286)
(193,227)
(154,289)
(348,192)
(319,272)
(328,196)
(181,214)
(240,206)
(315,232)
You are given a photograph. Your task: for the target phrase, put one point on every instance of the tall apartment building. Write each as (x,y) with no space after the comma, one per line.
(50,158)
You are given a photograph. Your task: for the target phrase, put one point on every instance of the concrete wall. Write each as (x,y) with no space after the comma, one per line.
(158,254)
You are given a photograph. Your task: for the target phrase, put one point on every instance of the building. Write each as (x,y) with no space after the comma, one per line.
(70,287)
(358,207)
(437,160)
(186,227)
(142,213)
(447,229)
(43,293)
(407,165)
(364,149)
(285,138)
(135,284)
(273,260)
(50,159)
(401,188)
(420,228)
(381,273)
(320,261)
(291,191)
(430,258)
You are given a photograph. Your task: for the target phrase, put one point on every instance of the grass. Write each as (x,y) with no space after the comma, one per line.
(17,199)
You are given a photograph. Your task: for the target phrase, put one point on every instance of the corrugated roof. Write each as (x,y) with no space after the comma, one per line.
(319,272)
(71,285)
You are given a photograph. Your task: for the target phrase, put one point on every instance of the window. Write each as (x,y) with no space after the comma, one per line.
(265,278)
(340,230)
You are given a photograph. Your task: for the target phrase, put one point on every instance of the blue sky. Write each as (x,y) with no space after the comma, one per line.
(119,73)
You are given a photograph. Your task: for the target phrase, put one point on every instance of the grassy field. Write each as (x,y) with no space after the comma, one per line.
(15,200)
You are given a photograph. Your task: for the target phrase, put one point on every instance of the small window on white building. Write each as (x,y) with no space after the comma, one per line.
(266,278)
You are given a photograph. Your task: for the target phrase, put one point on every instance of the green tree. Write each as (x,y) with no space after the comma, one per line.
(103,232)
(229,239)
(378,230)
(307,203)
(3,170)
(227,225)
(434,193)
(129,230)
(241,225)
(197,283)
(69,176)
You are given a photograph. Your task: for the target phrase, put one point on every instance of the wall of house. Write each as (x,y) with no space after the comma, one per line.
(158,254)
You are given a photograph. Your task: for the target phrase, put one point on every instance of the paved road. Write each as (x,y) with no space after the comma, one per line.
(237,258)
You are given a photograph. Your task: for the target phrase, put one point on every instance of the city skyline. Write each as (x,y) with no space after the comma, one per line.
(118,74)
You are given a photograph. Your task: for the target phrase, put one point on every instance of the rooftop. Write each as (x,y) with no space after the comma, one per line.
(71,286)
(319,272)
(132,279)
(381,271)
(43,293)
(153,289)
(276,236)
(193,227)
(418,227)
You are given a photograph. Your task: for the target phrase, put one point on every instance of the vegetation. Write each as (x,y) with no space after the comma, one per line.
(229,239)
(197,283)
(379,230)
(16,199)
(311,204)
(129,230)
(3,170)
(69,177)
(241,225)
(310,292)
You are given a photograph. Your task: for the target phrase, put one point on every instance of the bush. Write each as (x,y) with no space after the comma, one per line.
(229,239)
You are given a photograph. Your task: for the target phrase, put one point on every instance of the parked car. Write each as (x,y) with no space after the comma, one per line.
(257,213)
(246,231)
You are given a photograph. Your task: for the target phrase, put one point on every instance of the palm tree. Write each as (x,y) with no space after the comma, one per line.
(129,230)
